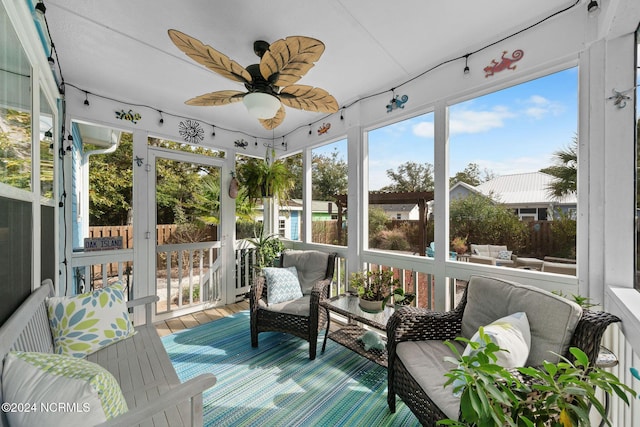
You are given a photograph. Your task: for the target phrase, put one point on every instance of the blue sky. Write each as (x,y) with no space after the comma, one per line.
(511,131)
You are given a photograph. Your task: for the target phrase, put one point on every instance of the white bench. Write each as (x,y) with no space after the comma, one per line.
(154,394)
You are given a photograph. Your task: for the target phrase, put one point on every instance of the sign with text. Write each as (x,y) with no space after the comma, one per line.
(102,243)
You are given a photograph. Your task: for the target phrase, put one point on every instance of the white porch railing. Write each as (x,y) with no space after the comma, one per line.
(97,269)
(187,275)
(622,414)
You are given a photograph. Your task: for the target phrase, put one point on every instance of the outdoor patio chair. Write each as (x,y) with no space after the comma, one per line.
(416,349)
(300,316)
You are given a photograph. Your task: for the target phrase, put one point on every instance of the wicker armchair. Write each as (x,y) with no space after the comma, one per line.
(411,324)
(300,317)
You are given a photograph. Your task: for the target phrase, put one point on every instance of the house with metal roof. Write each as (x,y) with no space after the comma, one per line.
(526,193)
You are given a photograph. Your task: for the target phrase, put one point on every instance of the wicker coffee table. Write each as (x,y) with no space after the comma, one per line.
(349,334)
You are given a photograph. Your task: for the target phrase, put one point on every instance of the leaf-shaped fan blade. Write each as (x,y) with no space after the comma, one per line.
(221,97)
(308,98)
(209,57)
(291,58)
(275,121)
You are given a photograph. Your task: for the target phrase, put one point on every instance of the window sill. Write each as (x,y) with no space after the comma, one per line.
(625,303)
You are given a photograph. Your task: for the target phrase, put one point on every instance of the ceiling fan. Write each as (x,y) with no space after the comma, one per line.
(270,84)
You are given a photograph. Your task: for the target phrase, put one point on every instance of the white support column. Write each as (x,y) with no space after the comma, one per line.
(357,198)
(227,233)
(144,233)
(618,121)
(441,204)
(306,196)
(591,173)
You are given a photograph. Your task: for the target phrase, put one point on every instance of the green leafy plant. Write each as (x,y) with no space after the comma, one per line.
(400,297)
(584,302)
(373,286)
(262,178)
(268,248)
(555,394)
(459,245)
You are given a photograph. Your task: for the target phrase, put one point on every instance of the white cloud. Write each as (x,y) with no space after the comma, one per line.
(423,129)
(513,165)
(469,121)
(539,107)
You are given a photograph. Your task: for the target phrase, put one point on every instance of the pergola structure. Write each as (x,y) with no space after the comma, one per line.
(386,198)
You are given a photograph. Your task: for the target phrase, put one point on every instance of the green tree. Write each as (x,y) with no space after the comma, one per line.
(15,148)
(410,176)
(484,221)
(328,176)
(564,170)
(472,175)
(111,184)
(182,188)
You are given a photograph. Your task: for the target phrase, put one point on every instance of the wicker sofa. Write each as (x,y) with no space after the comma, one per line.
(300,317)
(416,339)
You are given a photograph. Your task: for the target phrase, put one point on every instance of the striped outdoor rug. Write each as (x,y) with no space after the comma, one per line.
(276,384)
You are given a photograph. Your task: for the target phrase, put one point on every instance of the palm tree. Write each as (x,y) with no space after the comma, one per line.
(564,171)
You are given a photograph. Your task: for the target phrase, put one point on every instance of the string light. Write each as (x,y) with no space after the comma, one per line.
(86,98)
(592,6)
(161,121)
(213,132)
(466,64)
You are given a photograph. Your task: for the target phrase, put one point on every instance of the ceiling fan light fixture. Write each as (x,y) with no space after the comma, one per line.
(261,105)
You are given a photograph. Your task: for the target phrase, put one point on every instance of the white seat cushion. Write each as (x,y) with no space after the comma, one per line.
(65,390)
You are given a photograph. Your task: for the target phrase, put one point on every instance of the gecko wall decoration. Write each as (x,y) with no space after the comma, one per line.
(504,64)
(130,115)
(397,102)
(324,128)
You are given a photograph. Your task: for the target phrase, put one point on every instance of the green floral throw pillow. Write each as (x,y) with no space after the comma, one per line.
(83,324)
(59,390)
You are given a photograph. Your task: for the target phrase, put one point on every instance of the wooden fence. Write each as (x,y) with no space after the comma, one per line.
(539,243)
(165,234)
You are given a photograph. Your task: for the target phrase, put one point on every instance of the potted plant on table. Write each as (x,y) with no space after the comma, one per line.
(373,288)
(556,394)
(400,297)
(459,245)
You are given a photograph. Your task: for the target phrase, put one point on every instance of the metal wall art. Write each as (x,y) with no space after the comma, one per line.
(504,64)
(130,115)
(324,128)
(240,143)
(397,102)
(191,131)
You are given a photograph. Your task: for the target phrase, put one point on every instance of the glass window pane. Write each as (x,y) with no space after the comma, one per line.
(513,167)
(46,148)
(401,186)
(15,109)
(637,266)
(329,193)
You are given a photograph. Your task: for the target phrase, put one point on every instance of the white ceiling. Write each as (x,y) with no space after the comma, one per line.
(120,48)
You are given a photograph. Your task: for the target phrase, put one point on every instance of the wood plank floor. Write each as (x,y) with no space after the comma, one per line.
(170,326)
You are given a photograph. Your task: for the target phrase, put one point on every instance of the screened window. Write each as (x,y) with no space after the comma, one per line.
(513,169)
